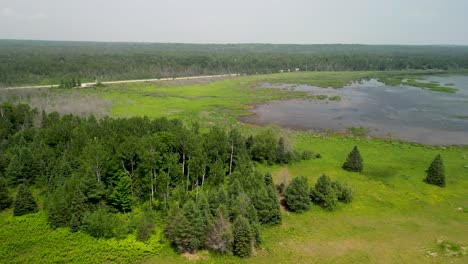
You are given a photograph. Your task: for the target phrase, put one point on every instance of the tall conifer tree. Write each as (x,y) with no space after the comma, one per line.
(24,202)
(354,161)
(436,172)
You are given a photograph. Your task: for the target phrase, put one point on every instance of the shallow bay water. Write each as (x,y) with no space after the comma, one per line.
(403,112)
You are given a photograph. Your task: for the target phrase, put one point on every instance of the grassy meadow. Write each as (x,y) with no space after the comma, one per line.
(394,218)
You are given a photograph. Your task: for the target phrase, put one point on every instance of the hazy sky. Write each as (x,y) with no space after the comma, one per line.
(238,21)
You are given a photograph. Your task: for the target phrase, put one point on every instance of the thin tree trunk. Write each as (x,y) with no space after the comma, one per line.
(188,175)
(128,173)
(183,162)
(203,180)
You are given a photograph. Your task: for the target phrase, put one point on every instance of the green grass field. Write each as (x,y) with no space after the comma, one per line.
(395,217)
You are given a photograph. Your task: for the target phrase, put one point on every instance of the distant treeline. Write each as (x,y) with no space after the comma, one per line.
(48,62)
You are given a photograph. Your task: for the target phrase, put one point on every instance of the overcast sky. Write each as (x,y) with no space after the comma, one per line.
(238,21)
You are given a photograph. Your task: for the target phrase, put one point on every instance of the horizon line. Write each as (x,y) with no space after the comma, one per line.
(226,43)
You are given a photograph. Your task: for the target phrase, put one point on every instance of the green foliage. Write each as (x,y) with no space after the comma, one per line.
(432,86)
(254,224)
(197,225)
(121,197)
(243,237)
(324,193)
(328,193)
(334,98)
(216,198)
(297,195)
(265,147)
(307,155)
(282,156)
(99,223)
(358,131)
(217,172)
(77,210)
(5,199)
(58,207)
(24,202)
(436,172)
(353,161)
(268,179)
(344,192)
(267,205)
(179,231)
(146,225)
(70,83)
(275,212)
(35,242)
(22,168)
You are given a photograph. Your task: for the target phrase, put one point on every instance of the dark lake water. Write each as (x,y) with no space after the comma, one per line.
(403,112)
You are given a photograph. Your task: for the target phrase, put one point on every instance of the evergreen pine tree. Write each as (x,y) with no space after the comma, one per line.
(281,156)
(254,224)
(122,195)
(243,237)
(235,202)
(274,204)
(268,179)
(21,168)
(436,172)
(297,195)
(262,203)
(216,199)
(58,208)
(267,205)
(354,161)
(324,194)
(204,208)
(24,202)
(222,209)
(344,192)
(5,199)
(146,224)
(179,231)
(78,209)
(197,228)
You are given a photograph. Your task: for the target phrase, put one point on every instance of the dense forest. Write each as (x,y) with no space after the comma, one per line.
(49,62)
(92,175)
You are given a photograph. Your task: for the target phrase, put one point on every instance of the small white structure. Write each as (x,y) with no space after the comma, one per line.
(297,69)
